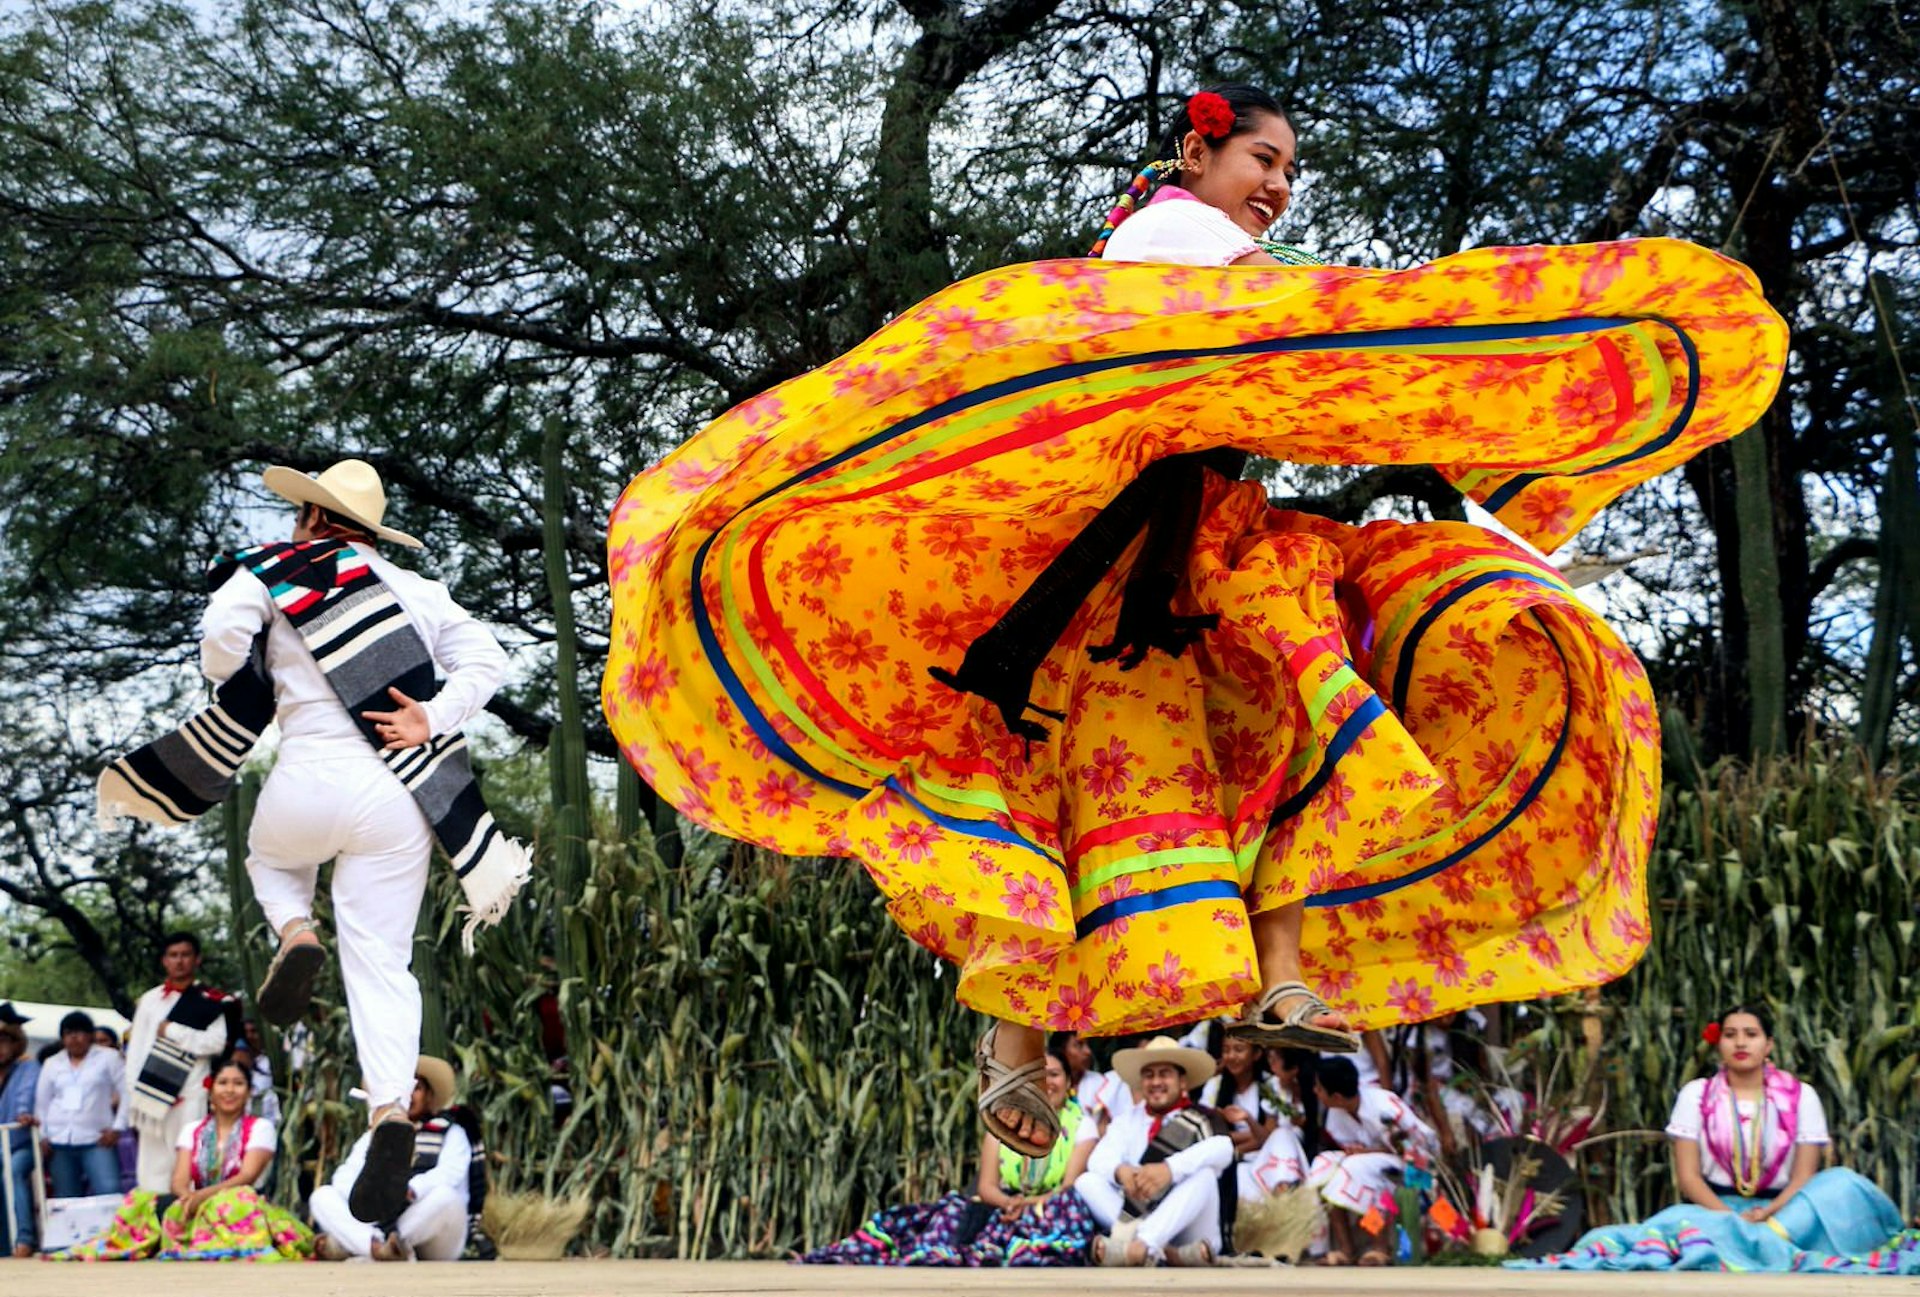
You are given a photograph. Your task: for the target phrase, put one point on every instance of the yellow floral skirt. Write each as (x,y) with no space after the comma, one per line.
(1417,729)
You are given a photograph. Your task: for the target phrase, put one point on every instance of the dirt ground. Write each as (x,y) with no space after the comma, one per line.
(769,1279)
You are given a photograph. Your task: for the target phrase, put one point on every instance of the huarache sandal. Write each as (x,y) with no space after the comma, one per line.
(1374,1257)
(1114,1249)
(1295,1027)
(1197,1253)
(1022,1088)
(287,989)
(380,1194)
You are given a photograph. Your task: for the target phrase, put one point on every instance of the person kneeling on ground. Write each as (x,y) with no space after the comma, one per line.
(1153,1180)
(1374,1133)
(433,1227)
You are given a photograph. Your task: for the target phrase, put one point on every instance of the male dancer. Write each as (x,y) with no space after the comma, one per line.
(179,1028)
(333,796)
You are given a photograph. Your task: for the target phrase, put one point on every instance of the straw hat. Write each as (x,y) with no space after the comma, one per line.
(441,1083)
(1196,1063)
(350,488)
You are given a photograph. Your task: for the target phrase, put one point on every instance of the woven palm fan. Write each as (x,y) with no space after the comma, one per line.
(1280,1227)
(532,1226)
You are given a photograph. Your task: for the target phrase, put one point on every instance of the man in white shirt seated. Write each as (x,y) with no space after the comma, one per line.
(434,1225)
(1164,1207)
(1374,1133)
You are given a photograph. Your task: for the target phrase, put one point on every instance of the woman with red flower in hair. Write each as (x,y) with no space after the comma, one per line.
(1748,1141)
(988,604)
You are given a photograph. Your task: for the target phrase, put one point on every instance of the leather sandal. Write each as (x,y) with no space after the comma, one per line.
(287,989)
(1114,1246)
(380,1194)
(1295,1027)
(1022,1088)
(1196,1253)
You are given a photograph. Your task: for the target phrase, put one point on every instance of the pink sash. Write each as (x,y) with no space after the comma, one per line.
(1719,1117)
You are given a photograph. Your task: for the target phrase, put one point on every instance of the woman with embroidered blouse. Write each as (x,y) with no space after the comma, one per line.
(214,1212)
(1023,1211)
(1748,1143)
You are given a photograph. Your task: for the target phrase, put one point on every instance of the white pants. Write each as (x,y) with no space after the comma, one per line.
(1276,1166)
(435,1227)
(153,1167)
(1190,1213)
(1356,1181)
(354,811)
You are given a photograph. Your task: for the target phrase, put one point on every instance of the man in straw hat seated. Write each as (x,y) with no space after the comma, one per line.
(433,1226)
(1153,1180)
(346,650)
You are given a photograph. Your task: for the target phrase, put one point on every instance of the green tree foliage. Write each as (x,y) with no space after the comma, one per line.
(425,233)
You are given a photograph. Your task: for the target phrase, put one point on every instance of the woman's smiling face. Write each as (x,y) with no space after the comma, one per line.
(1248,176)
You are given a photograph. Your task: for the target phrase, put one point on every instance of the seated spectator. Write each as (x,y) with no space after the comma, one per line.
(1153,1180)
(1290,1089)
(19,1078)
(74,1101)
(1267,1152)
(1373,1133)
(434,1225)
(1748,1142)
(1024,1212)
(1082,1078)
(213,1212)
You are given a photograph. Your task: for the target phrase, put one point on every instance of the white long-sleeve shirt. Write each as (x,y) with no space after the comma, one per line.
(1384,1123)
(451,1171)
(313,721)
(74,1101)
(1126,1140)
(205,1044)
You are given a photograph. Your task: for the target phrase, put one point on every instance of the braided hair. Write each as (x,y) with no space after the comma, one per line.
(1248,105)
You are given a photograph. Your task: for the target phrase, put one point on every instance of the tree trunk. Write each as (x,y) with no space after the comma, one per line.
(1760,592)
(1896,596)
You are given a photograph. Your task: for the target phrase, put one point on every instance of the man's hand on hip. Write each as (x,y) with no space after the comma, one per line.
(404,727)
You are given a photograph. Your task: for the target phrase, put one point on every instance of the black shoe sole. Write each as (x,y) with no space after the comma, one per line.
(380,1194)
(288,989)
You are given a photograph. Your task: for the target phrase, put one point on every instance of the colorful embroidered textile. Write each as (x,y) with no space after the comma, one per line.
(1774,1127)
(956,1231)
(214,1161)
(1417,729)
(1839,1223)
(360,636)
(232,1225)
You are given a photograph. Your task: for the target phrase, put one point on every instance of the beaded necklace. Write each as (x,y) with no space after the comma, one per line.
(1747,1164)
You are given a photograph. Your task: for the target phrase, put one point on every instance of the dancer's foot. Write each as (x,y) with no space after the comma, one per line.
(1111,1251)
(287,989)
(1289,1013)
(1013,1099)
(380,1194)
(392,1248)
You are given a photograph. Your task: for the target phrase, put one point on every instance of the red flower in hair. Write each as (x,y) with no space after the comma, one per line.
(1211,115)
(1711,1033)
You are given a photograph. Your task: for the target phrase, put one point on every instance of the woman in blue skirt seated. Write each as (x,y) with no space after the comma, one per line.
(1747,1146)
(1024,1211)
